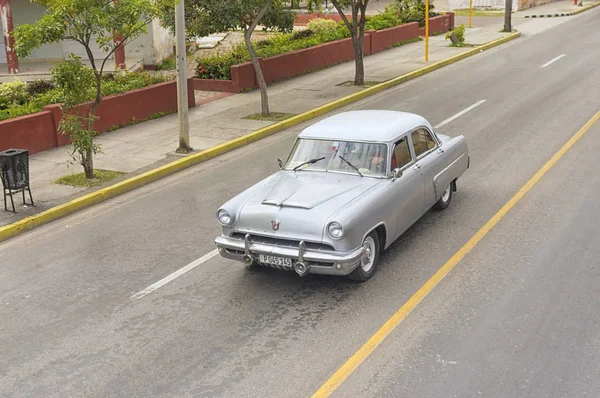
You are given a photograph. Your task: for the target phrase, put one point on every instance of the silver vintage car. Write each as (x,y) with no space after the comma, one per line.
(352,184)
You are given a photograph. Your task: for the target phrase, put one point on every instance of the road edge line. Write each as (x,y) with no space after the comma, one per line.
(377,338)
(104,194)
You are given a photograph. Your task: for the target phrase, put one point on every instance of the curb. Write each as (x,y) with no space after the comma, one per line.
(104,194)
(565,14)
(586,8)
(561,14)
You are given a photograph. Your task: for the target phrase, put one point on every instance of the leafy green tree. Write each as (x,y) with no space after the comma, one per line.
(356,27)
(111,24)
(204,17)
(77,82)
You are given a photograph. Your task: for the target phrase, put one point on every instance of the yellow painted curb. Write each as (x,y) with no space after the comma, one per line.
(586,8)
(101,195)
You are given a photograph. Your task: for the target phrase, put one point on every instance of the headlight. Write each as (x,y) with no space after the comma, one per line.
(335,230)
(224,217)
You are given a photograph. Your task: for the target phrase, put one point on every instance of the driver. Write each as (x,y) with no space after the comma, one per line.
(378,161)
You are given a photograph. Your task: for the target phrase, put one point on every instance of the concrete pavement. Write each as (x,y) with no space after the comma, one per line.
(135,149)
(70,327)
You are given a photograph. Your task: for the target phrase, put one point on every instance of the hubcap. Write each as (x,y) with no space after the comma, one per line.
(369,256)
(446,194)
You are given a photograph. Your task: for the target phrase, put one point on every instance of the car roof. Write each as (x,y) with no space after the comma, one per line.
(365,125)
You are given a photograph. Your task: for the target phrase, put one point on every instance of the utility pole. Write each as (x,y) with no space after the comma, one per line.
(426,30)
(470,13)
(182,92)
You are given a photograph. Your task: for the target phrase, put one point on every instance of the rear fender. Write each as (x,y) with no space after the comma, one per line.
(457,155)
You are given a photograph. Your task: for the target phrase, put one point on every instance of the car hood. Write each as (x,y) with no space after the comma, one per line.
(301,202)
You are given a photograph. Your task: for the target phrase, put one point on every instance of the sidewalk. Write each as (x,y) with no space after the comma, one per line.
(138,148)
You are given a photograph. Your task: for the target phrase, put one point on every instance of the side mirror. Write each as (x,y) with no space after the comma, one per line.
(280,163)
(396,173)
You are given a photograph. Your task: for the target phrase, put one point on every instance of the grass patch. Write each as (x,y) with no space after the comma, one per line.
(464,12)
(273,117)
(169,63)
(79,180)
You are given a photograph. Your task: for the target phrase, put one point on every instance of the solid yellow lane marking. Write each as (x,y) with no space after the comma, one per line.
(356,359)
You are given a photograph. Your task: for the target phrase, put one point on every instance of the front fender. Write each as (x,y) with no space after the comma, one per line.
(235,204)
(359,218)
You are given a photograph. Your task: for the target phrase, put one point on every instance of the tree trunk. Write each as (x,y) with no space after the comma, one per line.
(88,158)
(359,74)
(88,164)
(508,16)
(359,70)
(264,99)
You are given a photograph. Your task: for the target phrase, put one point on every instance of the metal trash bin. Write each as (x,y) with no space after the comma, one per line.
(14,172)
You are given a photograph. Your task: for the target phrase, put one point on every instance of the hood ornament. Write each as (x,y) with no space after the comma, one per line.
(275,224)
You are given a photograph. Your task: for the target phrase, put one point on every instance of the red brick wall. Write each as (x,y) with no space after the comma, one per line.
(39,132)
(451,16)
(139,104)
(439,24)
(223,86)
(32,132)
(284,66)
(384,39)
(244,75)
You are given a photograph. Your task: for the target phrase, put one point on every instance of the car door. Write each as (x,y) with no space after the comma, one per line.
(408,189)
(429,162)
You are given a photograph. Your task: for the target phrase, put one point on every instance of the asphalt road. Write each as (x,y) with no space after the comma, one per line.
(517,317)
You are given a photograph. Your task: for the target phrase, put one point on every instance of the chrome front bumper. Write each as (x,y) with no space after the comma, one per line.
(316,261)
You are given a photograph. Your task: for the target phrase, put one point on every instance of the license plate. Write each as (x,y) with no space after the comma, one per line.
(286,262)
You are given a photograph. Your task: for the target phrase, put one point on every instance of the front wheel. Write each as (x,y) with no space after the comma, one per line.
(446,198)
(369,260)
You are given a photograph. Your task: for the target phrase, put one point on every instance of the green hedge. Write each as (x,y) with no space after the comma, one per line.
(20,99)
(319,31)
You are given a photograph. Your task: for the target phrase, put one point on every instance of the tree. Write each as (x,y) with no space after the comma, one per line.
(508,16)
(204,17)
(357,32)
(113,23)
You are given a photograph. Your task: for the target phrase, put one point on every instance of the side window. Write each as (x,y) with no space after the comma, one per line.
(401,156)
(422,141)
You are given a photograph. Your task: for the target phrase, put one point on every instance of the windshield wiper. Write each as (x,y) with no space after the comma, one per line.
(351,165)
(312,161)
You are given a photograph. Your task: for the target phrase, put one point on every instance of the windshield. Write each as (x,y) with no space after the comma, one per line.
(369,159)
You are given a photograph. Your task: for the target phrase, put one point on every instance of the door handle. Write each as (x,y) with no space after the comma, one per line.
(417,167)
(440,150)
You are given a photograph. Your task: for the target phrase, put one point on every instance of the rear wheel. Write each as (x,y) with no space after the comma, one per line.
(369,260)
(446,198)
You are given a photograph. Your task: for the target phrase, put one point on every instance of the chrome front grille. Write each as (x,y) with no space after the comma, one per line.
(283,242)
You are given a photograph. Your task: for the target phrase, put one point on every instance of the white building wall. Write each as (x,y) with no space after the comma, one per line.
(141,48)
(24,12)
(495,4)
(164,41)
(153,46)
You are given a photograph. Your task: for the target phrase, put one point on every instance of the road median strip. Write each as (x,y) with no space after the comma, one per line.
(104,194)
